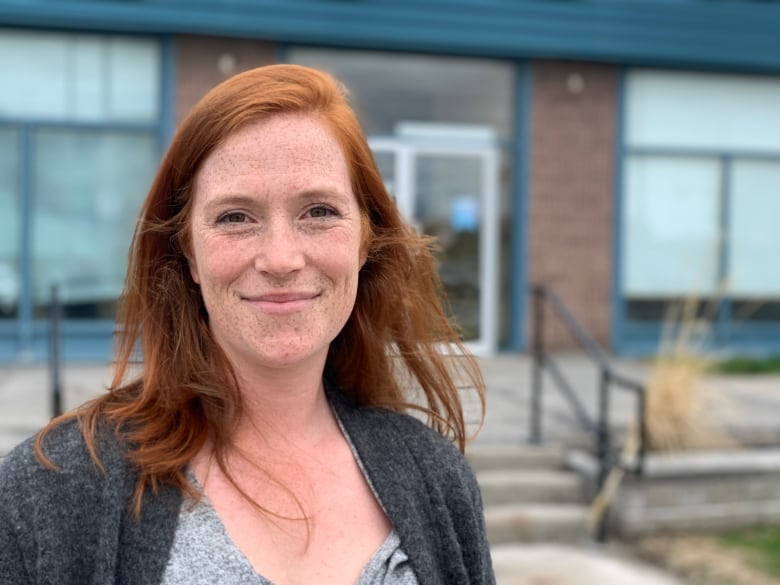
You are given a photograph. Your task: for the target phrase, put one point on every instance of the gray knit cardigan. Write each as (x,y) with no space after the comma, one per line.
(74,526)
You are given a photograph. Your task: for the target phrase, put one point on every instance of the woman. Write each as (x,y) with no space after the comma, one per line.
(281,307)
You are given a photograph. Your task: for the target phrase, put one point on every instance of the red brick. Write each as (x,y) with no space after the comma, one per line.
(571,191)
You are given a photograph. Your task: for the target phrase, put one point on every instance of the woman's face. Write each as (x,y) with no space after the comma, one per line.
(276,243)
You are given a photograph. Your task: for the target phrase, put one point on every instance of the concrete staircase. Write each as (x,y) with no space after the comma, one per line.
(528,495)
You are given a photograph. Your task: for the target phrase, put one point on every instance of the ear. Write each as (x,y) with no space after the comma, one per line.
(193,266)
(193,271)
(366,237)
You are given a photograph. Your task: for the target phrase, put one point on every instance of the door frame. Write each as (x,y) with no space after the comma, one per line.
(406,151)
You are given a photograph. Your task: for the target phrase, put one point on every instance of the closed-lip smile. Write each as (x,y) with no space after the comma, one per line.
(281,302)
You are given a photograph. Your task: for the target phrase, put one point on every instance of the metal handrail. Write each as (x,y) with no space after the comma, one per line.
(55,352)
(606,452)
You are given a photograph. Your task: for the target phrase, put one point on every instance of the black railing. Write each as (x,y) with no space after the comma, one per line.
(606,451)
(55,352)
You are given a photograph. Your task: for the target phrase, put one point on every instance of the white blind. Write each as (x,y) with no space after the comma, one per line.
(670,226)
(754,251)
(698,110)
(76,77)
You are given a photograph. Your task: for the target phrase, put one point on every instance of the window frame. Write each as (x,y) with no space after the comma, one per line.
(25,338)
(639,337)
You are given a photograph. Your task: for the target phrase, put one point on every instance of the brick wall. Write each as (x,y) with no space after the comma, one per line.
(203,62)
(574,113)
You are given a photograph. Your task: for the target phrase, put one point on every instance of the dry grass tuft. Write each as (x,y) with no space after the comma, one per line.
(680,408)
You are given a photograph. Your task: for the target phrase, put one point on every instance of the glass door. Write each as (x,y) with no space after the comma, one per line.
(450,191)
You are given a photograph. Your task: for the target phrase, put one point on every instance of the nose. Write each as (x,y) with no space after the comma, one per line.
(280,249)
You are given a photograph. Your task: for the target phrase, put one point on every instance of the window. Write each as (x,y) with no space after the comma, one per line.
(87,192)
(9,222)
(389,88)
(80,133)
(403,98)
(701,194)
(69,77)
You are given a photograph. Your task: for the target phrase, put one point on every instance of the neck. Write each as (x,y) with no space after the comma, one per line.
(283,407)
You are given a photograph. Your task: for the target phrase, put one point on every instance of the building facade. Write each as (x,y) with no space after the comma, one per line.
(624,153)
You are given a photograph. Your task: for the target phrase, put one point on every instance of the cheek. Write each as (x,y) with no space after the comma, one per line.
(215,265)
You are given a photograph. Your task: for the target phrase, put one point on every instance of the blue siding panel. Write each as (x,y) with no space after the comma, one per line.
(518,256)
(738,35)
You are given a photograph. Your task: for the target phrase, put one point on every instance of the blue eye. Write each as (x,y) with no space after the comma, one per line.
(233,217)
(321,211)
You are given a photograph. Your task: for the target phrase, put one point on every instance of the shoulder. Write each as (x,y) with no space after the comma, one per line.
(72,476)
(400,442)
(427,489)
(64,522)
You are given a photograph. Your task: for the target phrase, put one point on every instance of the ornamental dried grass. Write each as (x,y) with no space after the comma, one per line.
(681,409)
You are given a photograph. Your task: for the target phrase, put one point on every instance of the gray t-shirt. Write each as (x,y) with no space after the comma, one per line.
(203,554)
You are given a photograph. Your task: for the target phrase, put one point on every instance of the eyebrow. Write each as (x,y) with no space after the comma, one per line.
(240,199)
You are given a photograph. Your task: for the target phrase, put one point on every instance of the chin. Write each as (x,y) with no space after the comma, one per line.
(291,356)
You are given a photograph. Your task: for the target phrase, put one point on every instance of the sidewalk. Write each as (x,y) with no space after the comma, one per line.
(748,405)
(754,406)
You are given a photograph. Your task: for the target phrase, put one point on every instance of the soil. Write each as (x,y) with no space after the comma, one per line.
(702,560)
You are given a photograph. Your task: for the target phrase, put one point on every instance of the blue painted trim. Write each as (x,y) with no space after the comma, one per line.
(81,126)
(756,339)
(618,305)
(637,32)
(167,125)
(724,307)
(518,252)
(25,255)
(705,152)
(282,51)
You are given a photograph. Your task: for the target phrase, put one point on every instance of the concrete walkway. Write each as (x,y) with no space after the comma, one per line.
(754,404)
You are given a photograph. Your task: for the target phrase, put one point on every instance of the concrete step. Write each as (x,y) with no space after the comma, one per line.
(485,457)
(532,485)
(525,523)
(561,564)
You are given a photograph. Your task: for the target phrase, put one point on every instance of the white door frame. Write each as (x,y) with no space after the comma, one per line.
(406,152)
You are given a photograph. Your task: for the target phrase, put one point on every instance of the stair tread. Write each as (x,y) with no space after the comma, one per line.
(536,509)
(528,476)
(486,449)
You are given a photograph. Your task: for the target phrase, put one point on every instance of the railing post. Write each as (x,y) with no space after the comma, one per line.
(536,365)
(603,447)
(640,464)
(55,357)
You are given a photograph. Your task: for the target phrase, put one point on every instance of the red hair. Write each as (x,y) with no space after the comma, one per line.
(389,350)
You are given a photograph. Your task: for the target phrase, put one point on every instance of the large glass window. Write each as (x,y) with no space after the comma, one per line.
(9,223)
(391,88)
(672,226)
(754,253)
(72,77)
(701,194)
(405,100)
(80,136)
(88,188)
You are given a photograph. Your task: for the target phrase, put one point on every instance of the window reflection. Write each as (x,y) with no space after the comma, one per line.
(88,190)
(388,88)
(9,223)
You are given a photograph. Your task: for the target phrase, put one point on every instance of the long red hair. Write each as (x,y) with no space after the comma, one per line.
(397,344)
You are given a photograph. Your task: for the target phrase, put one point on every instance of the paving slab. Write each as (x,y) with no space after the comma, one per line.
(547,564)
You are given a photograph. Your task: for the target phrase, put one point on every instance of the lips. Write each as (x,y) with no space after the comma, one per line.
(282,297)
(282,303)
